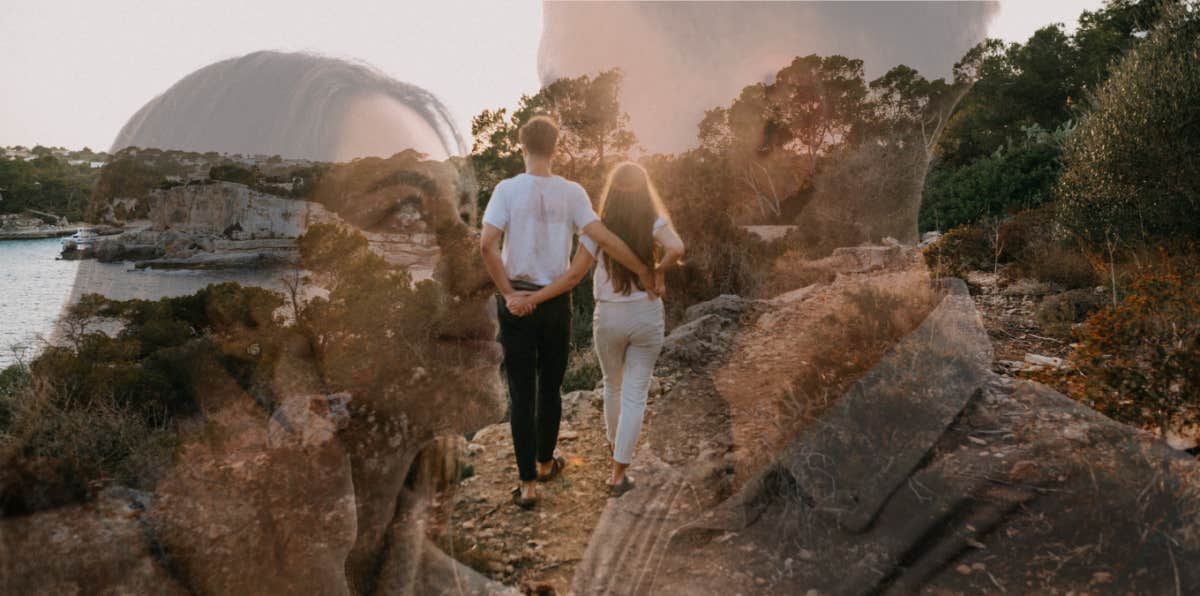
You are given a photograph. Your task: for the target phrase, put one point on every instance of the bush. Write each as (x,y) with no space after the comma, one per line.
(13,379)
(866,194)
(235,173)
(963,249)
(1015,179)
(1024,234)
(57,453)
(1130,168)
(1058,314)
(1058,262)
(1031,242)
(101,409)
(1139,362)
(583,303)
(722,258)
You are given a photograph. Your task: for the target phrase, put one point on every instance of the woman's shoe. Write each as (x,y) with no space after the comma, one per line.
(616,490)
(522,502)
(556,467)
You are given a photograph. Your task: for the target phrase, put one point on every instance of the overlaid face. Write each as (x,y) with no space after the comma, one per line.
(906,332)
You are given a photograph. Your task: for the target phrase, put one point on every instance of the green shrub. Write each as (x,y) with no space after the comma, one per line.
(102,409)
(234,173)
(13,378)
(583,303)
(865,194)
(57,453)
(1025,233)
(1010,180)
(1130,169)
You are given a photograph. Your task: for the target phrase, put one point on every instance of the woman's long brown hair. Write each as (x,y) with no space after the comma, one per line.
(629,206)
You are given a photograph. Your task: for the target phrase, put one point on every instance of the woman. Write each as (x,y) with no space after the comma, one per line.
(296,105)
(628,323)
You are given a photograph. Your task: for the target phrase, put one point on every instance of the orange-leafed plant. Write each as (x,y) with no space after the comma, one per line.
(1139,361)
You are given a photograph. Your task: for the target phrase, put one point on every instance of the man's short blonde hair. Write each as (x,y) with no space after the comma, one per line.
(539,136)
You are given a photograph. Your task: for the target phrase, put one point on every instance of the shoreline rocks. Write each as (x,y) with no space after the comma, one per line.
(224,225)
(38,233)
(21,226)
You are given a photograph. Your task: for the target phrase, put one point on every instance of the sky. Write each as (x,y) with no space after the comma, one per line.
(74,71)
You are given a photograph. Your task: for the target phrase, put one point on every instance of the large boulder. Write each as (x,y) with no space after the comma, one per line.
(707,330)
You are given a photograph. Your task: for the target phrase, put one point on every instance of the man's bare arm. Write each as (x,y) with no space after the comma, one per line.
(489,248)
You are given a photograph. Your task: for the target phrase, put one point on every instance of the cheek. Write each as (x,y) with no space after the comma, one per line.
(470,392)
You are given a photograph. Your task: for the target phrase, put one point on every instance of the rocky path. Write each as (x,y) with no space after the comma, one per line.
(539,550)
(1009,315)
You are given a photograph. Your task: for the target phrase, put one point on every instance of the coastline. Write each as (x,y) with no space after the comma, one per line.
(38,233)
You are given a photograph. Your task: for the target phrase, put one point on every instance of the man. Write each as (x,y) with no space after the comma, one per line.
(538,215)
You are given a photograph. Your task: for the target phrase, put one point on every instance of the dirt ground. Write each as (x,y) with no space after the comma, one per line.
(538,550)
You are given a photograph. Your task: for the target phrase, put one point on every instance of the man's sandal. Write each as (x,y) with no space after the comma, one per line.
(522,502)
(556,467)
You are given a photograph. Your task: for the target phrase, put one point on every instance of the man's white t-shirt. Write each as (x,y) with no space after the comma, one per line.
(602,287)
(540,216)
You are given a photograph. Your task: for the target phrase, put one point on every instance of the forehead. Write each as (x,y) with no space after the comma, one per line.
(376,124)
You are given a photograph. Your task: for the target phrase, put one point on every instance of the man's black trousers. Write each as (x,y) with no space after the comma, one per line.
(535,359)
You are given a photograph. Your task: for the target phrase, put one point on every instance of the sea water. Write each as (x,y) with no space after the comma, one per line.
(35,287)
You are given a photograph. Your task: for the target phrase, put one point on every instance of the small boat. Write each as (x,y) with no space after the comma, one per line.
(82,238)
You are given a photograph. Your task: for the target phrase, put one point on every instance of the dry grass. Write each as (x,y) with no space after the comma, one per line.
(795,270)
(55,451)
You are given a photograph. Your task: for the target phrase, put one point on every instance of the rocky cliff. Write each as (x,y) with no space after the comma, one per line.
(223,224)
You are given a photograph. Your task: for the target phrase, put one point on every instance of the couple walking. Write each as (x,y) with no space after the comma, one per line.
(632,243)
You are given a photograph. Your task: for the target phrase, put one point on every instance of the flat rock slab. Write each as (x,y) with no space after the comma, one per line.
(870,441)
(633,533)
